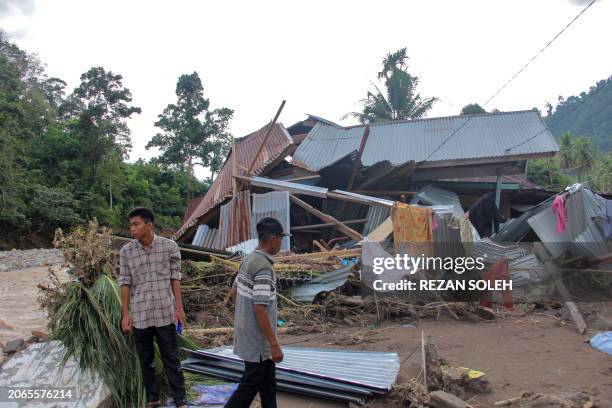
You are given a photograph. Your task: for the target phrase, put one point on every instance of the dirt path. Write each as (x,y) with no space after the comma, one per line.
(535,353)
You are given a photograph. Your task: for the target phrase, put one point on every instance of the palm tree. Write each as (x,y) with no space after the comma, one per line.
(584,156)
(400,101)
(565,151)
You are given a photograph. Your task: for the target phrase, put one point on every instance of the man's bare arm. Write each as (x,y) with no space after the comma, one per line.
(261,314)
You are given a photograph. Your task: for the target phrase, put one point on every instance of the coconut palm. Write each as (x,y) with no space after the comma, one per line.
(585,155)
(400,100)
(565,151)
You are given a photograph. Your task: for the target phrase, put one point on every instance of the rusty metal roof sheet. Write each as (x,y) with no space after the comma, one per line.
(277,145)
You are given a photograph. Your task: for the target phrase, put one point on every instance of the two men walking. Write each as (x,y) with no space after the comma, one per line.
(149,276)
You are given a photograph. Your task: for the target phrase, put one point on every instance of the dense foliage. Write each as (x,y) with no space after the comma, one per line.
(63,158)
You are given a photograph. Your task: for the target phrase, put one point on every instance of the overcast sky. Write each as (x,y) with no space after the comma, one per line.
(318,55)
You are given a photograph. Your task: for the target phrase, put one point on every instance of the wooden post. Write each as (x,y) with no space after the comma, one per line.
(263,143)
(551,269)
(235,181)
(356,166)
(351,233)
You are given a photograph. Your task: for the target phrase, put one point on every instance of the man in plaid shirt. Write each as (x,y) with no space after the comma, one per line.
(149,276)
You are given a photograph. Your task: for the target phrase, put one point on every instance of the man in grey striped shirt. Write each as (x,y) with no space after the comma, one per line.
(254,292)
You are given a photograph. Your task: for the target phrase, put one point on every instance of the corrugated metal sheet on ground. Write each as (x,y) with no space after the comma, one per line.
(276,146)
(480,136)
(375,370)
(273,204)
(330,391)
(430,195)
(377,214)
(325,282)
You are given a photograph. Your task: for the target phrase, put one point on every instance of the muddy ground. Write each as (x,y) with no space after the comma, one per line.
(537,352)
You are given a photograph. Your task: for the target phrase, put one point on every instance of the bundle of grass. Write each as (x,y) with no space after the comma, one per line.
(85,315)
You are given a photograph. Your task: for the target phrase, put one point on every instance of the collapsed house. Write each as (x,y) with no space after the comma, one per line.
(341,191)
(354,174)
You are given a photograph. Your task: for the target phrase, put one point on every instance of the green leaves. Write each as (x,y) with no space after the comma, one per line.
(191,133)
(400,100)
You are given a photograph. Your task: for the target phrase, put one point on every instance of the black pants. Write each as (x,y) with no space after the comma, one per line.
(168,350)
(258,377)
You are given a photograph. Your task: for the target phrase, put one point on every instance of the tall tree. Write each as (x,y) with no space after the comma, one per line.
(96,112)
(191,133)
(566,154)
(472,109)
(585,156)
(400,100)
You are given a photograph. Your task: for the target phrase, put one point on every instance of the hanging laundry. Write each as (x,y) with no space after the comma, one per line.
(412,225)
(465,231)
(558,208)
(483,213)
(608,220)
(434,223)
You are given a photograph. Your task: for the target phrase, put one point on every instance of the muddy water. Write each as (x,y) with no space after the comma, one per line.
(20,313)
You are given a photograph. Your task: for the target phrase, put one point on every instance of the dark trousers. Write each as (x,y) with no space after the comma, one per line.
(258,377)
(168,350)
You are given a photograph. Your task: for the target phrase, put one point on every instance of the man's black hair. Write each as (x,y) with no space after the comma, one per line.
(143,212)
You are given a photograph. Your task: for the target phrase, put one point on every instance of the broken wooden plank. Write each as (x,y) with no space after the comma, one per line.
(328,218)
(265,139)
(552,270)
(423,360)
(320,246)
(328,224)
(345,253)
(441,399)
(381,232)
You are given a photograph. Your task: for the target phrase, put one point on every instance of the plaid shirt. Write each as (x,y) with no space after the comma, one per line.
(148,271)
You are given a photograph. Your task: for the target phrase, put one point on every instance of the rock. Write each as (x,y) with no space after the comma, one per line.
(13,346)
(441,399)
(39,334)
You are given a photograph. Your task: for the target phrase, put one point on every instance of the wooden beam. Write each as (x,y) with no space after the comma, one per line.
(381,232)
(328,224)
(328,218)
(385,192)
(265,139)
(320,246)
(357,164)
(552,270)
(235,181)
(346,253)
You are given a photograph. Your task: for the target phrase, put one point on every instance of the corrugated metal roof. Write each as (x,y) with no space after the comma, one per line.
(324,282)
(245,247)
(430,195)
(273,204)
(581,236)
(276,146)
(292,187)
(235,220)
(482,136)
(377,214)
(372,369)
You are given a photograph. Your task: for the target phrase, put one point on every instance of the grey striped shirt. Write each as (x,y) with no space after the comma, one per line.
(255,284)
